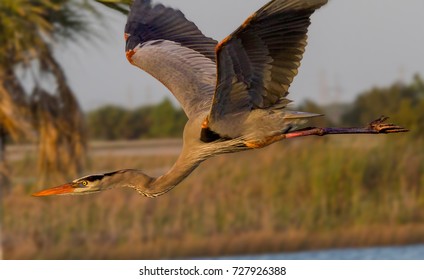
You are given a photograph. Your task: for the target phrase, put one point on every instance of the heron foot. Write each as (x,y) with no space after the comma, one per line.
(379,126)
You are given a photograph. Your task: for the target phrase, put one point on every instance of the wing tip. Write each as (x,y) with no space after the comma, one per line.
(138,8)
(279,5)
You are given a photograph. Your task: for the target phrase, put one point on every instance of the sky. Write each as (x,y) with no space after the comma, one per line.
(353,46)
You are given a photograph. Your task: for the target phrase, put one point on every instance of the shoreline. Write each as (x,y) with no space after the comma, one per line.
(259,243)
(245,244)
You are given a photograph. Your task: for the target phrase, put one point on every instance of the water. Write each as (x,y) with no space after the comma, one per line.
(412,252)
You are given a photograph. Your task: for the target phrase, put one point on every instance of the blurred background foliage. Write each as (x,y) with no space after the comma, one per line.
(403,102)
(308,193)
(112,122)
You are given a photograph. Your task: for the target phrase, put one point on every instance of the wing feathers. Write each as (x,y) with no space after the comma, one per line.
(256,63)
(189,75)
(164,43)
(264,54)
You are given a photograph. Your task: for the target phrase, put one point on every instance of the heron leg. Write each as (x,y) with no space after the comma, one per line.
(375,127)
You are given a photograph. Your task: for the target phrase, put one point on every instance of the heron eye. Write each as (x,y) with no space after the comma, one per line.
(84,183)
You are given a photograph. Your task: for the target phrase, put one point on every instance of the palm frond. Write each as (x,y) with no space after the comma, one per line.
(121,6)
(14,113)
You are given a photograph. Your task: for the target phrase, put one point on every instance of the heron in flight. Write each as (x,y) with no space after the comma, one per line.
(233,92)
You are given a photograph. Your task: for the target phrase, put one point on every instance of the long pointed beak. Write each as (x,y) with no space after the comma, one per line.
(63,189)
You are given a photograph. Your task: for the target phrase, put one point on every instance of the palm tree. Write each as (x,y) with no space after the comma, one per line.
(121,6)
(28,29)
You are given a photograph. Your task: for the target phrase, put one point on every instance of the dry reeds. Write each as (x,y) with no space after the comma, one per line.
(310,193)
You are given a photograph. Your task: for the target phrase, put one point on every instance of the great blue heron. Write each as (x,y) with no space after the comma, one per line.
(233,92)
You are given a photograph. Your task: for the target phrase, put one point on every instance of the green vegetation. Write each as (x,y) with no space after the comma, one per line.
(153,121)
(403,103)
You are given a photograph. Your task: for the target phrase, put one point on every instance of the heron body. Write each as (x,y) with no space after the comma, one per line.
(233,92)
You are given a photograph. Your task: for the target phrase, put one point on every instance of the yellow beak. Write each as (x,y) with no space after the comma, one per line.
(63,189)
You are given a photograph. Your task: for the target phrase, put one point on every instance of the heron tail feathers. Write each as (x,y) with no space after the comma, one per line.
(291,115)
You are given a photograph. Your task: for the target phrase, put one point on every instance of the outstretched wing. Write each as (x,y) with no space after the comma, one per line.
(162,42)
(258,62)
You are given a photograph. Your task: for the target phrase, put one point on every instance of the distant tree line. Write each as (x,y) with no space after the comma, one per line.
(404,103)
(113,122)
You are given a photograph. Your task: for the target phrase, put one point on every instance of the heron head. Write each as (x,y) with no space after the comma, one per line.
(84,185)
(95,183)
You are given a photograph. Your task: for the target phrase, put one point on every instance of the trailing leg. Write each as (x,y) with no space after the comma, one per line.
(375,127)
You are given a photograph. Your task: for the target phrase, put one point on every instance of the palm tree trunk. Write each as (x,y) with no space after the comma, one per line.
(4,182)
(61,132)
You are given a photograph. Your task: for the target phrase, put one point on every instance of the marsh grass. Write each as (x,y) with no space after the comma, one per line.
(293,195)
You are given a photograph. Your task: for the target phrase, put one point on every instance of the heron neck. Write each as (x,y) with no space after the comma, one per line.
(180,170)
